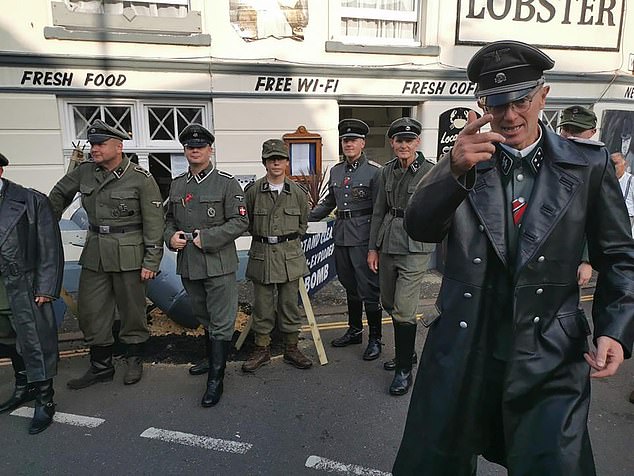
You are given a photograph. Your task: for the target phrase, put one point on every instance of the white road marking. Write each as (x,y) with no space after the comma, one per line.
(323,464)
(67,418)
(189,439)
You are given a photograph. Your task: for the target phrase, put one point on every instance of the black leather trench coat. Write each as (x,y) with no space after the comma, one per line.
(31,264)
(536,422)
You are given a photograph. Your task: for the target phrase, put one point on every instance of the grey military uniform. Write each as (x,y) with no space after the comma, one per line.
(352,189)
(213,203)
(125,212)
(402,260)
(276,260)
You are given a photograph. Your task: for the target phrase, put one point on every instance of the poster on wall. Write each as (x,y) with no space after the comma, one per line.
(259,19)
(616,133)
(450,123)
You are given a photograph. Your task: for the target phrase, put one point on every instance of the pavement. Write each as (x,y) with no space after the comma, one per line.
(336,418)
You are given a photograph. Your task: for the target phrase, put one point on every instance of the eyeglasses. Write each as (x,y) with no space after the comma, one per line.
(519,106)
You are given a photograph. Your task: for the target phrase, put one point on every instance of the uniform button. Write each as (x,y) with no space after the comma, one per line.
(520,177)
(540,259)
(463,324)
(345,203)
(539,291)
(468,295)
(480,228)
(477,260)
(345,194)
(536,319)
(521,199)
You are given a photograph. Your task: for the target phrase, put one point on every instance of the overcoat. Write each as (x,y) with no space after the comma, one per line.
(276,216)
(538,425)
(31,264)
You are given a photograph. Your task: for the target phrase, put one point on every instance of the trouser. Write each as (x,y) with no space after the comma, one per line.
(400,279)
(100,293)
(7,333)
(286,311)
(360,283)
(214,303)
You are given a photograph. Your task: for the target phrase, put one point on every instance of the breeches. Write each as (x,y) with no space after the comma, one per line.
(360,282)
(214,303)
(265,312)
(99,294)
(400,279)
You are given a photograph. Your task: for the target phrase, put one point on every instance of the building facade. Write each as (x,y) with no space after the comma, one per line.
(254,69)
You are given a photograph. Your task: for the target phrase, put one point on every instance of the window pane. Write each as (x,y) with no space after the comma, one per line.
(83,116)
(392,20)
(188,115)
(161,122)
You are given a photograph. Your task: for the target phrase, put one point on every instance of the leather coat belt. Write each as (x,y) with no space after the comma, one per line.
(397,212)
(274,240)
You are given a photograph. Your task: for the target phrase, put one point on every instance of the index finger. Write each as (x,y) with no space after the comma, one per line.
(474,123)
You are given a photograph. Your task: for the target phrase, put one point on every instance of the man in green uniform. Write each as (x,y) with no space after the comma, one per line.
(278,212)
(123,250)
(31,269)
(205,214)
(399,260)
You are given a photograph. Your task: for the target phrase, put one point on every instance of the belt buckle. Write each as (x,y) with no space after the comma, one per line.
(347,213)
(104,229)
(273,240)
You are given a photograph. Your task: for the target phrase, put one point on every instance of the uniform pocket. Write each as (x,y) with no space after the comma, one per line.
(130,257)
(291,219)
(574,323)
(124,203)
(213,207)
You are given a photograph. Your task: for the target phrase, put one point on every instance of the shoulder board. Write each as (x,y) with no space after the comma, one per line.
(341,162)
(249,185)
(141,170)
(302,187)
(592,142)
(430,162)
(374,164)
(224,174)
(181,175)
(390,161)
(37,192)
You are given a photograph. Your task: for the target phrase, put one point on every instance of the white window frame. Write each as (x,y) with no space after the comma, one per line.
(338,12)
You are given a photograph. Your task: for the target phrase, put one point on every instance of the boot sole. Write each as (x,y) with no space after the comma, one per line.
(371,357)
(398,393)
(346,344)
(16,405)
(40,429)
(99,380)
(250,371)
(302,367)
(198,371)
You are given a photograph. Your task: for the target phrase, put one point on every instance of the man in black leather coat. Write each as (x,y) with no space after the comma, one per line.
(505,368)
(31,269)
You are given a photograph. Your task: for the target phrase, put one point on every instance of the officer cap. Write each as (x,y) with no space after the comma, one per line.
(100,132)
(578,116)
(506,71)
(274,148)
(353,128)
(405,127)
(195,135)
(3,161)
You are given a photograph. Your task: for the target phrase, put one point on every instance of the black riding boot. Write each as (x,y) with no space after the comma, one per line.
(202,366)
(355,325)
(100,370)
(44,407)
(23,391)
(405,337)
(373,350)
(217,363)
(134,359)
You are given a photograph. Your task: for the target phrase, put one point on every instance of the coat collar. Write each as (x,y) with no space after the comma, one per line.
(555,186)
(266,187)
(12,208)
(202,175)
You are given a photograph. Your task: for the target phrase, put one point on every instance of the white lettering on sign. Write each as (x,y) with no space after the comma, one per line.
(568,24)
(67,79)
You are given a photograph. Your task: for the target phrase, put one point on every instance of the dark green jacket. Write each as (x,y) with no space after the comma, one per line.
(212,202)
(272,215)
(127,197)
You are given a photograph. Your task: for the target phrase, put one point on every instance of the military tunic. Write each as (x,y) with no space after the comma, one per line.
(352,189)
(125,212)
(213,203)
(402,260)
(283,218)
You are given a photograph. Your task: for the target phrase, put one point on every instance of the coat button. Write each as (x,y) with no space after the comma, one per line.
(541,259)
(477,260)
(463,324)
(536,319)
(480,228)
(539,291)
(468,295)
(520,177)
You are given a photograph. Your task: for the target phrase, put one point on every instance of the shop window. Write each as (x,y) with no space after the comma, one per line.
(166,123)
(86,114)
(550,118)
(139,21)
